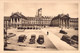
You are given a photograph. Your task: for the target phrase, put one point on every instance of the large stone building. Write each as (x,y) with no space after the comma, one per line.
(64,21)
(73,22)
(6,22)
(14,20)
(18,20)
(34,22)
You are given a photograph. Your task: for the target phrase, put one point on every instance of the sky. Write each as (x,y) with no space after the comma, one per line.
(48,9)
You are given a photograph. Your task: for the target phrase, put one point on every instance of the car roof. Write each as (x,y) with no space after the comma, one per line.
(40,35)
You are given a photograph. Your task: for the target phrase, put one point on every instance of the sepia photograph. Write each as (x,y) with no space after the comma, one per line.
(40,26)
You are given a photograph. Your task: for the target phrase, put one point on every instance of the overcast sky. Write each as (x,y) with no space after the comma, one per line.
(48,9)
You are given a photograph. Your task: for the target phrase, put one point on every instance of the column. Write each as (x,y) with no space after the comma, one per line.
(68,22)
(59,22)
(14,22)
(11,20)
(62,23)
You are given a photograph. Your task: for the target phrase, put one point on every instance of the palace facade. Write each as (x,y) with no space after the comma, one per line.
(73,22)
(64,21)
(18,20)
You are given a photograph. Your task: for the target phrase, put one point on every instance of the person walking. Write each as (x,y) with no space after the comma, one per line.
(47,33)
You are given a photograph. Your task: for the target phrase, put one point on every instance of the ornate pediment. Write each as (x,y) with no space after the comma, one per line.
(17,15)
(63,16)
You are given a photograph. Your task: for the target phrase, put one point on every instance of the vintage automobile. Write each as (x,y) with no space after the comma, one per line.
(5,43)
(32,40)
(5,32)
(63,32)
(75,38)
(22,38)
(40,39)
(72,40)
(66,38)
(76,28)
(10,35)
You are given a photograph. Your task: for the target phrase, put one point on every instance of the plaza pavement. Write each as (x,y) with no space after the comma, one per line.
(52,41)
(60,45)
(55,31)
(14,45)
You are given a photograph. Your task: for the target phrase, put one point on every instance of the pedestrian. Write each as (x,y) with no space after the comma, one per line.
(47,33)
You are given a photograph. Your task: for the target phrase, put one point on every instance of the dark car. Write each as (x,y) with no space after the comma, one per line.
(19,27)
(63,32)
(32,40)
(33,27)
(22,38)
(10,35)
(30,28)
(5,43)
(5,32)
(33,36)
(40,39)
(76,28)
(66,38)
(75,38)
(27,27)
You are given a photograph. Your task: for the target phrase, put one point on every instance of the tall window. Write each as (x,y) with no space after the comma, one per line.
(15,20)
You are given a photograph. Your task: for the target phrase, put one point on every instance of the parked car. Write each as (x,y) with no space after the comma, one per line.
(76,28)
(19,27)
(33,27)
(37,28)
(33,36)
(10,35)
(5,43)
(32,40)
(75,38)
(72,40)
(27,27)
(30,28)
(66,38)
(40,39)
(5,32)
(22,38)
(63,32)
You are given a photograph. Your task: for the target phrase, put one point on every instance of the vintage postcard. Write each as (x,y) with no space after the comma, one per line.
(41,26)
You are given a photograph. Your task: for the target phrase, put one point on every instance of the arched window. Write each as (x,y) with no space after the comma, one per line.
(15,20)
